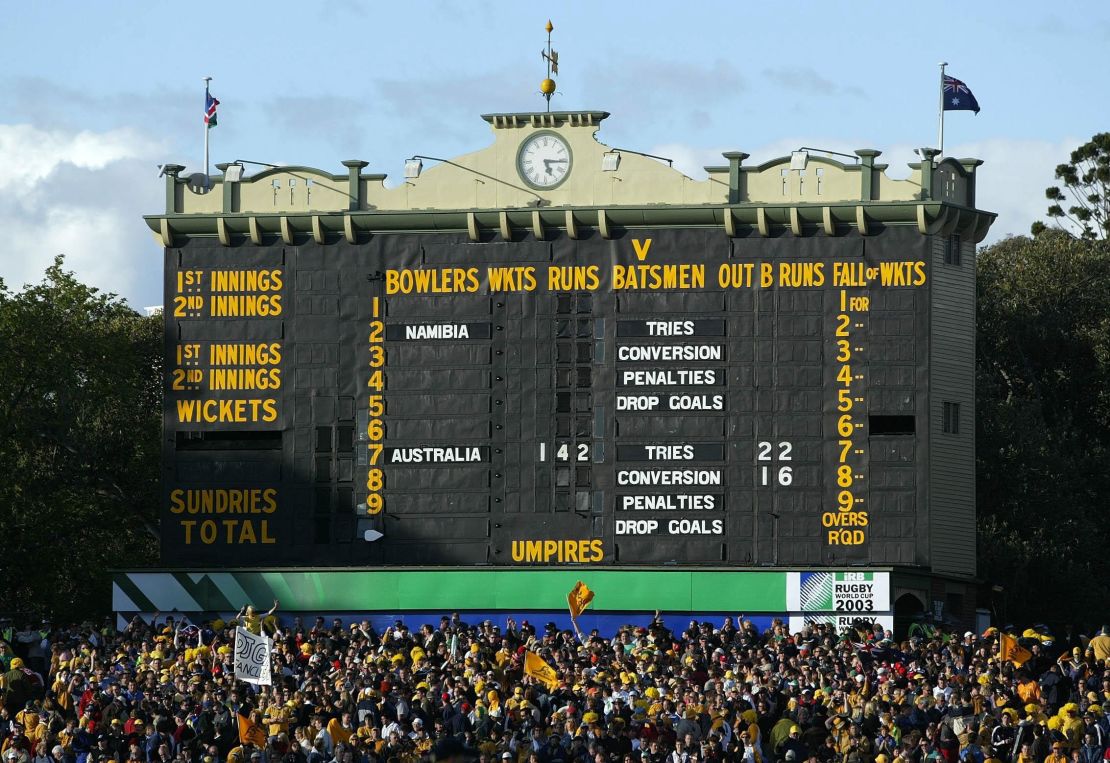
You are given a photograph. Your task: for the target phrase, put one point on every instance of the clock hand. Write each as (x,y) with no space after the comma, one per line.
(554,161)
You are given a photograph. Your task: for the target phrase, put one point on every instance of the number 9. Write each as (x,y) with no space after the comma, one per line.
(845,499)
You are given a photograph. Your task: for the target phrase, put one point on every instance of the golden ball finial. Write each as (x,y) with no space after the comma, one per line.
(549,26)
(547,87)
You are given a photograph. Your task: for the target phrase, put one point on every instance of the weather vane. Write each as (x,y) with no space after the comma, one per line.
(547,87)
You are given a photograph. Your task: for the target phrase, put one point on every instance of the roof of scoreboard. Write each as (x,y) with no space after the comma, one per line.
(485,193)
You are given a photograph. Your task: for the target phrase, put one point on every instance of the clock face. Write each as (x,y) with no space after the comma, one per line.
(544,160)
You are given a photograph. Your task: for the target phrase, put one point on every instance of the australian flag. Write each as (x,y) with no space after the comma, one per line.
(957,96)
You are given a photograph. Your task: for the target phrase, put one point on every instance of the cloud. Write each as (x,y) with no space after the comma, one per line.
(1013,177)
(301,116)
(39,101)
(29,155)
(806,80)
(670,95)
(81,194)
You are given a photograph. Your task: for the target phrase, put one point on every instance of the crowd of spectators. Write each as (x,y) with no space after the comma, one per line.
(164,692)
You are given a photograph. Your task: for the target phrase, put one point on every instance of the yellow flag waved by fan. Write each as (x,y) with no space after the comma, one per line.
(1010,650)
(535,667)
(579,598)
(251,732)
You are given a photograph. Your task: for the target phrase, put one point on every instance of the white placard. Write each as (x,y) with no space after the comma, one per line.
(252,657)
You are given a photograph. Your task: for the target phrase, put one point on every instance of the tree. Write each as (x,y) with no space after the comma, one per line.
(1043,430)
(1087,182)
(80,423)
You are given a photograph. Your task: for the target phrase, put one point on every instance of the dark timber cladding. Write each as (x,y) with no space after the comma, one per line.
(655,396)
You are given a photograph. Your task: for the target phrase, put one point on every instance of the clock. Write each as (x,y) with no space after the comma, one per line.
(544,160)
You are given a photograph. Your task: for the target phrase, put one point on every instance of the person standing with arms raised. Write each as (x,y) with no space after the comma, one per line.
(251,620)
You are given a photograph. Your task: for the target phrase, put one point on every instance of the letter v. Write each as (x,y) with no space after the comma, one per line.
(641,248)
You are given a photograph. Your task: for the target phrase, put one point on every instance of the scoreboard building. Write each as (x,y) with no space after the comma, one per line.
(554,360)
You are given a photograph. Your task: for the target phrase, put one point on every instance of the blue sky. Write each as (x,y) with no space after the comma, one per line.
(98,94)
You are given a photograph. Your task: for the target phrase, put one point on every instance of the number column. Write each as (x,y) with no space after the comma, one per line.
(374,436)
(845,515)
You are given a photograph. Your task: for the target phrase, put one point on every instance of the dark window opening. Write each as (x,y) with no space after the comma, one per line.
(950,418)
(582,426)
(321,503)
(323,469)
(346,440)
(321,530)
(878,425)
(952,250)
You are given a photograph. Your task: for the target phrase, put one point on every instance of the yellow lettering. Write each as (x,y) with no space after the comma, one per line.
(534,552)
(549,551)
(512,279)
(766,274)
(658,277)
(799,274)
(246,533)
(574,278)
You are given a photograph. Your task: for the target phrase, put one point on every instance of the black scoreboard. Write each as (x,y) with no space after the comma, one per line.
(668,396)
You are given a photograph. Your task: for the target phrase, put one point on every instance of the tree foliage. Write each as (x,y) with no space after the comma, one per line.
(1086,181)
(80,423)
(1043,393)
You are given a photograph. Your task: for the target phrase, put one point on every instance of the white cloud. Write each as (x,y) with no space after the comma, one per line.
(1013,177)
(81,194)
(29,155)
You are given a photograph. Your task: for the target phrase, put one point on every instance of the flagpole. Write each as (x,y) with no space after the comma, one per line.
(206,96)
(940,103)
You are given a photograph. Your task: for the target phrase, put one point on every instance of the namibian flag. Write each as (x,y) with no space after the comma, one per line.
(210,105)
